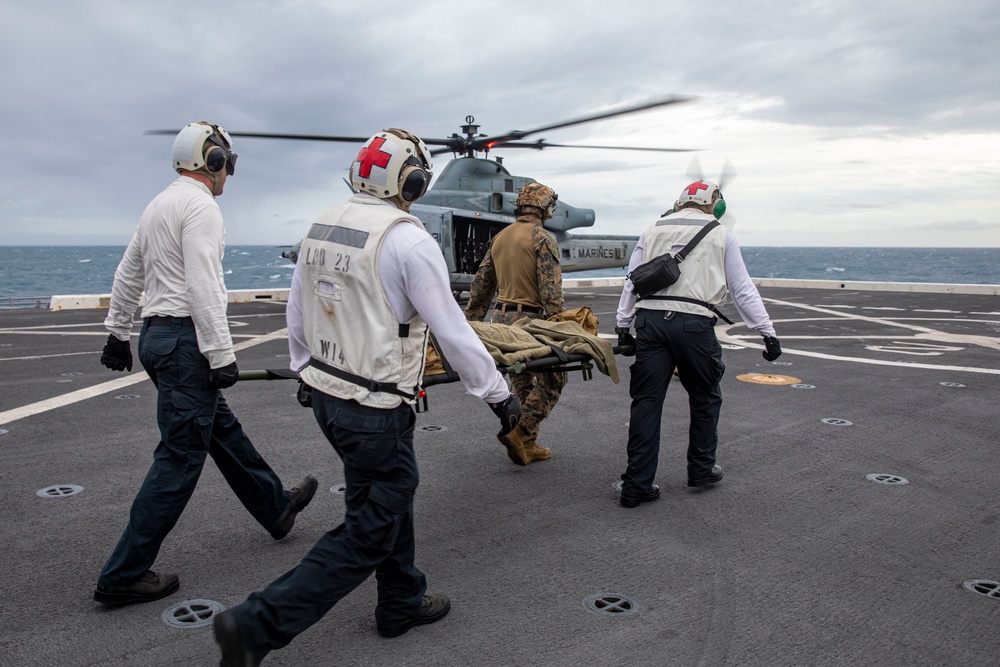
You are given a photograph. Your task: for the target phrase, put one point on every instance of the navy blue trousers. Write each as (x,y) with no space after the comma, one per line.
(665,339)
(195,421)
(380,473)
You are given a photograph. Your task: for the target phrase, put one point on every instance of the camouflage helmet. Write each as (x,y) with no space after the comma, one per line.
(538,196)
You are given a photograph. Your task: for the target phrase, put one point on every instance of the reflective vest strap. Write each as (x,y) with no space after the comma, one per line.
(370,385)
(703,304)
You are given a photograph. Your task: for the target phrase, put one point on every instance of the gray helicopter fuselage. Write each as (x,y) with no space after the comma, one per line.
(473,199)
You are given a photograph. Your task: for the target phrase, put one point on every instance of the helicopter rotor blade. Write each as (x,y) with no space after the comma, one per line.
(271,135)
(306,137)
(514,135)
(727,174)
(540,144)
(694,171)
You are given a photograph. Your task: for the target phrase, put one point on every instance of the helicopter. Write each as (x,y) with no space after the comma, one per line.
(473,198)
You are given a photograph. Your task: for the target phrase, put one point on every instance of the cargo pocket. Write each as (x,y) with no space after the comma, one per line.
(191,416)
(154,351)
(380,519)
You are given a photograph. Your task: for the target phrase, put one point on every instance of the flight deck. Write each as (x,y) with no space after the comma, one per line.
(857,523)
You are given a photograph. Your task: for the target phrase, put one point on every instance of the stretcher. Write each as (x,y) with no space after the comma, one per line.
(553,364)
(565,343)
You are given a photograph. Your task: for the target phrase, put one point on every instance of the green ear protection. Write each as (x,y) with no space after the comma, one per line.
(720,207)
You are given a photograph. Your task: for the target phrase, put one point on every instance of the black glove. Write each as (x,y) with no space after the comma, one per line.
(225,377)
(304,395)
(509,413)
(117,354)
(773,350)
(625,341)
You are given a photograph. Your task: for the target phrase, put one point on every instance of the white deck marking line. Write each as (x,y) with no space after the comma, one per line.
(929,334)
(112,385)
(48,356)
(42,331)
(852,316)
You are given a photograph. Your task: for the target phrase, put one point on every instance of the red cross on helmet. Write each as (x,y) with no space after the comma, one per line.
(392,162)
(702,193)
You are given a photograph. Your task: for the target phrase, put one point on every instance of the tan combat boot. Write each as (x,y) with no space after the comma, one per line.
(521,447)
(533,452)
(514,442)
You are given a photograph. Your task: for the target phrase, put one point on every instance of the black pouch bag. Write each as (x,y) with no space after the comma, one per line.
(663,271)
(656,274)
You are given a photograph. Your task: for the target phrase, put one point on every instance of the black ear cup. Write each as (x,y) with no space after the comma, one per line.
(414,182)
(215,160)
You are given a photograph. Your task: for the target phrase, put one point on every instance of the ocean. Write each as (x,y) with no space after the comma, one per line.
(41,271)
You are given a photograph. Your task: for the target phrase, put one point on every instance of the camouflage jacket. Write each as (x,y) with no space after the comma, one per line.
(533,279)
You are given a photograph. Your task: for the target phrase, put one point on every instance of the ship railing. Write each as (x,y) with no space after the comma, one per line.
(11,302)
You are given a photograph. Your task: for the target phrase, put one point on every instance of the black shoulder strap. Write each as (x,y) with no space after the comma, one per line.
(682,253)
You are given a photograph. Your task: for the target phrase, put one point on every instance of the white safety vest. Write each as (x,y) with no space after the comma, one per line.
(359,350)
(703,271)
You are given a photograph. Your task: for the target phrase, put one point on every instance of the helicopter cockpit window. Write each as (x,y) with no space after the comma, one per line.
(496,202)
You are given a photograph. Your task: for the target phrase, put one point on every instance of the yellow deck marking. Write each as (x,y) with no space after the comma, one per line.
(767,378)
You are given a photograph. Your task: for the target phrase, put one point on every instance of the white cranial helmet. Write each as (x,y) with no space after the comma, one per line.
(702,193)
(393,162)
(190,153)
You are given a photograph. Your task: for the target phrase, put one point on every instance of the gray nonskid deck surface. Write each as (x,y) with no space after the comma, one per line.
(797,558)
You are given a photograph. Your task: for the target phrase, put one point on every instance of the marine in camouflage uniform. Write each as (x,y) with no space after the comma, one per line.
(521,268)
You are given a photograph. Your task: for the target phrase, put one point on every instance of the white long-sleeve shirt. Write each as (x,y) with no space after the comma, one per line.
(415,279)
(743,292)
(175,256)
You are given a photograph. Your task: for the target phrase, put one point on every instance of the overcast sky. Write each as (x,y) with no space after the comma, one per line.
(849,123)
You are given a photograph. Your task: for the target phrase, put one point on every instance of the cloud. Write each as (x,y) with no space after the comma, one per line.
(828,110)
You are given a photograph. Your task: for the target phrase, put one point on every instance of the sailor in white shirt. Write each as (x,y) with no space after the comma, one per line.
(175,257)
(369,285)
(675,329)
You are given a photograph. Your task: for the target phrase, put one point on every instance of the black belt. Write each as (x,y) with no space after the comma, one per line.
(517,307)
(164,321)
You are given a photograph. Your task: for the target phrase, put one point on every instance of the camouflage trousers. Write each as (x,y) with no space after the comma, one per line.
(538,392)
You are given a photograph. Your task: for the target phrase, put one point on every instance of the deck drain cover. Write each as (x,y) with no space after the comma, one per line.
(952,384)
(781,363)
(833,421)
(339,489)
(192,613)
(59,491)
(733,347)
(883,478)
(432,428)
(990,589)
(126,397)
(610,604)
(803,386)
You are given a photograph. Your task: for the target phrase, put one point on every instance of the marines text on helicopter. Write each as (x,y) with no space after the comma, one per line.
(473,197)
